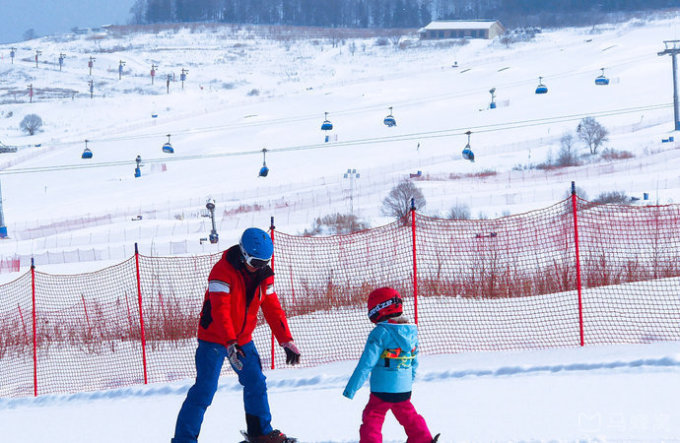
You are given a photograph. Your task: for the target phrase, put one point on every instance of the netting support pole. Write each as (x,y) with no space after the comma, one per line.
(574,207)
(141,314)
(271,233)
(415,263)
(35,331)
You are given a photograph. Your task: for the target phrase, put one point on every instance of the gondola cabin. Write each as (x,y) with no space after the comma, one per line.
(389,121)
(601,80)
(541,88)
(468,154)
(87,153)
(467,151)
(167,147)
(326,125)
(264,170)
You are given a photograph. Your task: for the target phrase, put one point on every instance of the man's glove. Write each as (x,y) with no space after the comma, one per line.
(234,351)
(292,353)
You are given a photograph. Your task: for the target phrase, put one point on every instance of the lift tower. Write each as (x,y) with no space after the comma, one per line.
(673,49)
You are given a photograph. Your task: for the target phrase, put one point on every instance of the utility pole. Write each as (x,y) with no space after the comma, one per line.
(352,175)
(61,60)
(153,72)
(91,63)
(121,63)
(673,49)
(37,53)
(91,84)
(183,76)
(12,53)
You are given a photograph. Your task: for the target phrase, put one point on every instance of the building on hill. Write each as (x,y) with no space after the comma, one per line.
(441,29)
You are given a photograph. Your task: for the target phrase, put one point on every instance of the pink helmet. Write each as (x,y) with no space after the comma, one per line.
(384,303)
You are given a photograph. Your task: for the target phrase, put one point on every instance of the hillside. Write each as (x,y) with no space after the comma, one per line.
(250,88)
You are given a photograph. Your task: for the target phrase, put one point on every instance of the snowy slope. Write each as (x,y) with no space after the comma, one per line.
(246,91)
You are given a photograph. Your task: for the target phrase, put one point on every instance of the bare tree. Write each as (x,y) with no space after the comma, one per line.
(592,133)
(31,124)
(398,201)
(567,155)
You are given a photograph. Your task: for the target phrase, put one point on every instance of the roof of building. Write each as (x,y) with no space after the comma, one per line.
(455,24)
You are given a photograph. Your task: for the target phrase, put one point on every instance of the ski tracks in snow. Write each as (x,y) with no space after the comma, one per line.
(286,381)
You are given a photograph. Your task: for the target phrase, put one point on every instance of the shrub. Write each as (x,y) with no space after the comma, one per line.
(336,224)
(459,212)
(580,193)
(31,124)
(611,154)
(617,197)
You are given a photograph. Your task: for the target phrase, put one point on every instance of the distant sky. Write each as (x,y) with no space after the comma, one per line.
(58,16)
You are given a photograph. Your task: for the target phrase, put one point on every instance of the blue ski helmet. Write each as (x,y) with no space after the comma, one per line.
(257,247)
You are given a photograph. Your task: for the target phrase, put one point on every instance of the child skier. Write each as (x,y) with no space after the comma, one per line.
(390,356)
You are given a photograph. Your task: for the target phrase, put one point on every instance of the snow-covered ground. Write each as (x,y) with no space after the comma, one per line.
(244,93)
(594,394)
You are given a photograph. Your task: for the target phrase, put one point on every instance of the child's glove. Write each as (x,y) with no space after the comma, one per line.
(234,351)
(292,353)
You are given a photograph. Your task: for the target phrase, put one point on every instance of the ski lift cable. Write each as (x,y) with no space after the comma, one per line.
(351,111)
(451,132)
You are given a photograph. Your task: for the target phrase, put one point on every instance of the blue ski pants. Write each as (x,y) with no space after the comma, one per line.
(209,360)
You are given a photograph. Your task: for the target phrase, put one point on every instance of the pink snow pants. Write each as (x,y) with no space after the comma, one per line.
(404,412)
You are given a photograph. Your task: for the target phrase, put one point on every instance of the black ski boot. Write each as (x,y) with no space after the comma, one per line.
(274,436)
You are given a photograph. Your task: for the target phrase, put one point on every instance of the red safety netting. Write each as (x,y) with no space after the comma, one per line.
(16,338)
(519,282)
(630,265)
(323,284)
(88,330)
(508,283)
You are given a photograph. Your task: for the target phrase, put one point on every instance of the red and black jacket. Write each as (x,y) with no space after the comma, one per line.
(233,299)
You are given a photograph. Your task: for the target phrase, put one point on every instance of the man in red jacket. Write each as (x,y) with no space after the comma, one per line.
(239,284)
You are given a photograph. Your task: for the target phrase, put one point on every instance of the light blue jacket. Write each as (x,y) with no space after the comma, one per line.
(389,372)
